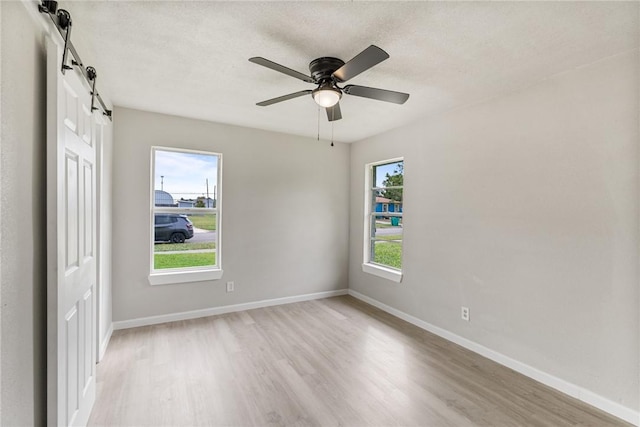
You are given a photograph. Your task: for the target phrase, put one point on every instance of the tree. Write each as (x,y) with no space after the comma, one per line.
(200,202)
(394,180)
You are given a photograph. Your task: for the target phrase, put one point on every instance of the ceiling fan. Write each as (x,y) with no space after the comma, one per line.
(327,73)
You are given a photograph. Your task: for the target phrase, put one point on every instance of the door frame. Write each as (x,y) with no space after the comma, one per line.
(103,284)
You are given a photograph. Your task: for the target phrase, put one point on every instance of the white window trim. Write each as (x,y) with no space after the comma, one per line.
(174,277)
(194,274)
(382,271)
(367,266)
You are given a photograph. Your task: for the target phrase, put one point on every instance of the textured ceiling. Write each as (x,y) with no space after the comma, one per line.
(191,58)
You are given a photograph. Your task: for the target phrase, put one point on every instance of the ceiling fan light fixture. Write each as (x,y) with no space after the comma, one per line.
(326,96)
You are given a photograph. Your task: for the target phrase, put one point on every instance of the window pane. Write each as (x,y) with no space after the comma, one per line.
(185,239)
(385,220)
(388,200)
(185,180)
(387,253)
(380,173)
(388,175)
(190,241)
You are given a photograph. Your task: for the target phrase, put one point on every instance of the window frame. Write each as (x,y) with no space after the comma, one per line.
(186,274)
(368,266)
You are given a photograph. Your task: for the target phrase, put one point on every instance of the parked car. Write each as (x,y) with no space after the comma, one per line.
(174,228)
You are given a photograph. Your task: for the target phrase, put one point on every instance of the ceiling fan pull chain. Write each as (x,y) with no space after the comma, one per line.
(318,123)
(332,124)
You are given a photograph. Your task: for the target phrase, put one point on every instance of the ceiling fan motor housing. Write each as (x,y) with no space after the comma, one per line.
(322,68)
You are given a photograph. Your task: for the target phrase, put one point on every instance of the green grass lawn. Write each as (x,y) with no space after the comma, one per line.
(165,247)
(389,254)
(161,261)
(205,222)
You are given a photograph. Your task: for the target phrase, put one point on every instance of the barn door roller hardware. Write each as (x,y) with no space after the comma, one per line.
(62,21)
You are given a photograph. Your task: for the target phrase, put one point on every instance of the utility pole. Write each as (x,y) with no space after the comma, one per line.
(208,193)
(162,182)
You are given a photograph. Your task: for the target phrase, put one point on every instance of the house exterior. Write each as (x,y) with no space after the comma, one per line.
(387,205)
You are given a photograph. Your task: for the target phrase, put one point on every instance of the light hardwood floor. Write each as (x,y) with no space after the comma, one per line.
(330,362)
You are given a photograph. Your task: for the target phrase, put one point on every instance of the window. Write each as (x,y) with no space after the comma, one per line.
(185,216)
(383,219)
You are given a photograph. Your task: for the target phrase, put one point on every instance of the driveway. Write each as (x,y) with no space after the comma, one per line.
(202,236)
(391,231)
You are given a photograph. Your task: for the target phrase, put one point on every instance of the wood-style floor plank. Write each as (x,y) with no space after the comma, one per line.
(331,362)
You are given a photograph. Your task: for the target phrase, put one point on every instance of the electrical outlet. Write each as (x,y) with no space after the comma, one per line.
(230,286)
(465,313)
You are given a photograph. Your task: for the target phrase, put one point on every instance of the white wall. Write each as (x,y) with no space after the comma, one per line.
(22,218)
(285,217)
(525,209)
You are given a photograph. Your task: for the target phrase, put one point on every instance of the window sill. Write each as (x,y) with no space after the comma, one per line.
(173,277)
(385,273)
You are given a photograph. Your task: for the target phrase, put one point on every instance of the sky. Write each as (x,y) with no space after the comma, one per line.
(186,174)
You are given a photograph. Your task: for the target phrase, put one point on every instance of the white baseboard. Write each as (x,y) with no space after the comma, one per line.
(105,342)
(172,317)
(561,385)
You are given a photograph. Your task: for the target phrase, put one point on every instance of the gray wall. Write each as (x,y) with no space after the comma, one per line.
(285,202)
(22,219)
(525,209)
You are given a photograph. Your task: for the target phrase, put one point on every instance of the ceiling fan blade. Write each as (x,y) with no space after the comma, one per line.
(366,59)
(283,98)
(281,68)
(379,94)
(334,113)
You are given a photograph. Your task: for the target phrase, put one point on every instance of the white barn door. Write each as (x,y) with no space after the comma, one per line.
(71,246)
